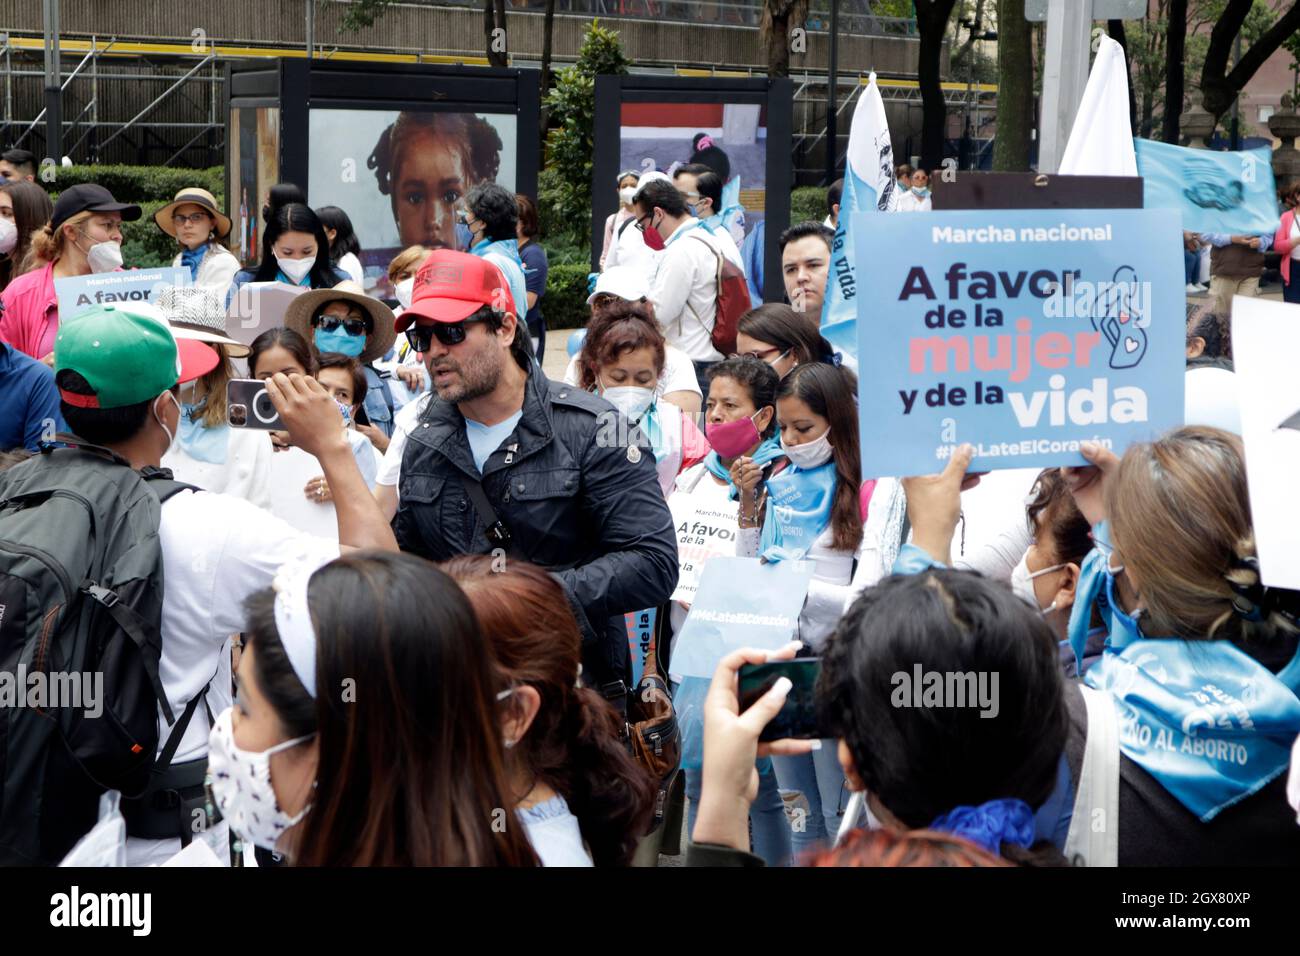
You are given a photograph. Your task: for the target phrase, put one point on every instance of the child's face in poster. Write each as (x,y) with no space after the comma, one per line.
(430,181)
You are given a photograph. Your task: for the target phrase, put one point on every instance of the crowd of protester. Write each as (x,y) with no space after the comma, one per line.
(394,628)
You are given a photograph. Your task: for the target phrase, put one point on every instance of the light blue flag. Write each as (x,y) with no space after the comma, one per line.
(1215,191)
(868,186)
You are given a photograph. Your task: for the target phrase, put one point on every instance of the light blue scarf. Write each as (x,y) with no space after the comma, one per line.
(798,511)
(193,258)
(1208,721)
(769,450)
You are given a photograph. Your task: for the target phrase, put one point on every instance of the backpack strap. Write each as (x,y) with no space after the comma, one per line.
(165,756)
(717,286)
(1098,790)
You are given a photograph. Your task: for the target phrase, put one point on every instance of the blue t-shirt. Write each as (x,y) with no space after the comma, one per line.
(485,439)
(28,400)
(535,269)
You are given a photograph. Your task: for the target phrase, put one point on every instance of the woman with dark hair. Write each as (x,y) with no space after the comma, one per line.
(972,758)
(1048,573)
(777,334)
(536,266)
(582,797)
(295,251)
(426,162)
(367,725)
(824,505)
(345,250)
(622,360)
(25,208)
(280,350)
(729,214)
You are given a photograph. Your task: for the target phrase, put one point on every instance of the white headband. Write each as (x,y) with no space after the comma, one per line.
(293,619)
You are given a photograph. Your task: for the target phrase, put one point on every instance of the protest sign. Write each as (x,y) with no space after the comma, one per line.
(705,529)
(1265,342)
(1023,333)
(290,472)
(640,639)
(1215,191)
(258,306)
(741,602)
(130,287)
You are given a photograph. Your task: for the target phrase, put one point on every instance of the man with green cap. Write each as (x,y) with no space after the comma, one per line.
(117,372)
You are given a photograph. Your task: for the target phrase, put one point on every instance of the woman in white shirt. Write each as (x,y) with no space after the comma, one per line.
(194,220)
(345,250)
(208,453)
(814,510)
(581,796)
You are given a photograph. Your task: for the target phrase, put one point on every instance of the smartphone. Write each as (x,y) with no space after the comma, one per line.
(797,718)
(249,406)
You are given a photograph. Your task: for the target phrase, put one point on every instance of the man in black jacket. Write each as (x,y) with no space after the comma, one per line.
(505,461)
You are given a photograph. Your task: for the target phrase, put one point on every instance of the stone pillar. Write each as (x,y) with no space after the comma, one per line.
(1285,125)
(1196,123)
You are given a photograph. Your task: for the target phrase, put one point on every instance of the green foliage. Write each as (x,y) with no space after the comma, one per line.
(363,13)
(565,305)
(143,243)
(564,189)
(808,202)
(142,183)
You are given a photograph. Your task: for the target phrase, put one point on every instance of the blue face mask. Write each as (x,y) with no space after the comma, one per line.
(921,191)
(340,341)
(199,441)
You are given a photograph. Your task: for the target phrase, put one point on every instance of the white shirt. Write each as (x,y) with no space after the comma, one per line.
(404,421)
(628,248)
(555,834)
(350,264)
(246,472)
(217,550)
(685,290)
(216,270)
(729,248)
(910,202)
(995,527)
(678,374)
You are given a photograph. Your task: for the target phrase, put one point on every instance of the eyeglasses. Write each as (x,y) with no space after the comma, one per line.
(447,334)
(195,218)
(640,222)
(762,356)
(331,323)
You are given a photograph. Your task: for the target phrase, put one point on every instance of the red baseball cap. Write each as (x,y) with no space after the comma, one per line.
(452,286)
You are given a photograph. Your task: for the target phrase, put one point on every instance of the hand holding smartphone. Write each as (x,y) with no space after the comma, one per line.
(797,719)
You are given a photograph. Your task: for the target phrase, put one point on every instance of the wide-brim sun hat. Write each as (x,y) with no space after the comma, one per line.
(379,339)
(198,197)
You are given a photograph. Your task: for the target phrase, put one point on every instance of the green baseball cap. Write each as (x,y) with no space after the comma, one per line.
(127,355)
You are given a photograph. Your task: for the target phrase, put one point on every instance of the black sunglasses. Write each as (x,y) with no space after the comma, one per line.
(448,334)
(331,323)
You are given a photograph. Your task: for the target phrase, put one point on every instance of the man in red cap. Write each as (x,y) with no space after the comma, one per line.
(505,460)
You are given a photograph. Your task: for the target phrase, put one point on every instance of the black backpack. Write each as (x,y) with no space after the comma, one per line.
(81,588)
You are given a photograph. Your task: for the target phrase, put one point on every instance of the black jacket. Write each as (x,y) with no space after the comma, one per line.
(589,510)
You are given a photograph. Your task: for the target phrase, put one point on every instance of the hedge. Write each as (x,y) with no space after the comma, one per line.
(565,305)
(141,184)
(808,202)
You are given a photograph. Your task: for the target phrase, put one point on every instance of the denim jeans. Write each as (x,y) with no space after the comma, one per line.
(1191,267)
(768,827)
(820,778)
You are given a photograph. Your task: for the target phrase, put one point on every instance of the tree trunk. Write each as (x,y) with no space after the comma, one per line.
(1015,88)
(778,45)
(931,23)
(494,18)
(1221,87)
(1175,54)
(1116,30)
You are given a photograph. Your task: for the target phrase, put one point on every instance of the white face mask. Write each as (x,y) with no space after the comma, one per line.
(1293,781)
(403,291)
(625,195)
(811,454)
(1022,582)
(104,257)
(632,400)
(295,269)
(8,236)
(171,435)
(241,785)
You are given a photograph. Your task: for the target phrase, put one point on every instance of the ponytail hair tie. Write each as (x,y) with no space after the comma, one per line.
(1248,589)
(991,824)
(704,143)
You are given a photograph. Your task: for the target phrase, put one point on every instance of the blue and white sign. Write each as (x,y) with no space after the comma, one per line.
(126,288)
(1023,333)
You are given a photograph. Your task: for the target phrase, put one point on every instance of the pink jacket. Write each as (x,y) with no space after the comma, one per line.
(1283,243)
(31,313)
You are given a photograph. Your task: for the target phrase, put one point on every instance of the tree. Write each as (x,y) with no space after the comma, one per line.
(494,32)
(1015,88)
(1175,46)
(1220,85)
(931,26)
(564,192)
(364,13)
(774,29)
